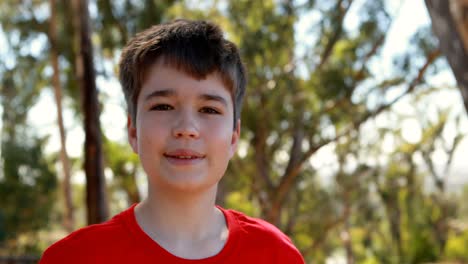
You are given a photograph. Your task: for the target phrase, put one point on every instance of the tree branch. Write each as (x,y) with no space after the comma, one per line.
(342,11)
(288,179)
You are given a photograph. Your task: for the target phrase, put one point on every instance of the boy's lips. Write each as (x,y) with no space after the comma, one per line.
(183,157)
(184,154)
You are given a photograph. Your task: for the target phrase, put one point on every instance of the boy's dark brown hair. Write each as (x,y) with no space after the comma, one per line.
(197,48)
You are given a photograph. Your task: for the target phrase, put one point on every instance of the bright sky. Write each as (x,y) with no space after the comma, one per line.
(413,14)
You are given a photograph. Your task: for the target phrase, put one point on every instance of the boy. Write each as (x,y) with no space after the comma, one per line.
(184,85)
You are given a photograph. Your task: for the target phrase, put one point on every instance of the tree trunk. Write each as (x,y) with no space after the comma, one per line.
(67,192)
(449,22)
(95,182)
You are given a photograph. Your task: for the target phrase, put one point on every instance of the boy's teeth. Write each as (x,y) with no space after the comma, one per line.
(184,157)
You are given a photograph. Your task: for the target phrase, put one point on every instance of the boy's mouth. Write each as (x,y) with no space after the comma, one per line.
(184,157)
(181,157)
(184,154)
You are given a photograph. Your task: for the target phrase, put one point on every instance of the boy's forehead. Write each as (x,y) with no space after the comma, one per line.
(168,81)
(169,76)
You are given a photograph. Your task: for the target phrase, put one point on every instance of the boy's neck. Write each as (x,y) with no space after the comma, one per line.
(177,221)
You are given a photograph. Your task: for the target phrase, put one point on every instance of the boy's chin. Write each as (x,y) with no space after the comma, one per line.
(189,187)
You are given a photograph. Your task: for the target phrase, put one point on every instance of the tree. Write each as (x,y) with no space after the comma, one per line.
(69,214)
(450,23)
(96,200)
(323,102)
(27,179)
(24,20)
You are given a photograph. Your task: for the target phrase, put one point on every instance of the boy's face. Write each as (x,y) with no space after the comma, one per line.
(183,131)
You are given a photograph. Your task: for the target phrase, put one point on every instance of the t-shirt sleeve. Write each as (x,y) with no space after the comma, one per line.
(54,254)
(293,256)
(288,253)
(67,250)
(282,246)
(259,241)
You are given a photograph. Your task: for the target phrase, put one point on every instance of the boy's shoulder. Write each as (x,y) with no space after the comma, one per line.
(105,230)
(260,234)
(88,240)
(255,226)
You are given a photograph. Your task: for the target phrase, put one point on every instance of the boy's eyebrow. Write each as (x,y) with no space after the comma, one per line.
(161,93)
(212,97)
(172,93)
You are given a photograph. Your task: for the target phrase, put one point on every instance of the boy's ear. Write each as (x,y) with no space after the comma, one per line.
(132,134)
(235,139)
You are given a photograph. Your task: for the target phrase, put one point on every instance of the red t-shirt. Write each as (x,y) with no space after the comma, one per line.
(121,240)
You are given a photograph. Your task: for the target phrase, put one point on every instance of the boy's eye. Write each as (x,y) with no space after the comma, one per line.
(209,110)
(162,107)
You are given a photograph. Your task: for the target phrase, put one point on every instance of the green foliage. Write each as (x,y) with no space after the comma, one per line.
(238,201)
(27,179)
(457,244)
(124,165)
(27,187)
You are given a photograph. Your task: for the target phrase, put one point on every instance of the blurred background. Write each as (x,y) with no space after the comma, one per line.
(353,128)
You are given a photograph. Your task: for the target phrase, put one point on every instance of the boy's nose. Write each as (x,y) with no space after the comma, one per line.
(185,127)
